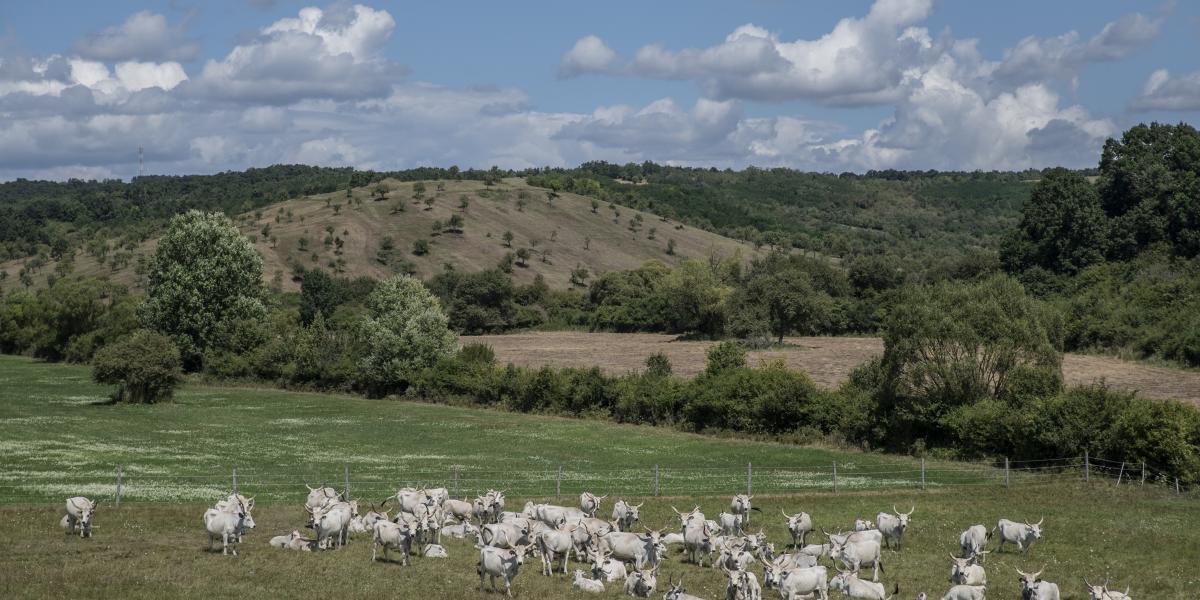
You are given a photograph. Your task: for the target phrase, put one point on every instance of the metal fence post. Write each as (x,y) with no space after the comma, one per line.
(235,480)
(1087,467)
(1121,474)
(455,480)
(1005,471)
(749,479)
(835,476)
(346,479)
(558,483)
(656,481)
(1143,482)
(120,472)
(1177,485)
(922,472)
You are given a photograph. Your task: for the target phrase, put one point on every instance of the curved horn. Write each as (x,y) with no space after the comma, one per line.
(787,516)
(894,510)
(1042,520)
(1087,583)
(676,511)
(1020,572)
(912,509)
(639,505)
(1039,573)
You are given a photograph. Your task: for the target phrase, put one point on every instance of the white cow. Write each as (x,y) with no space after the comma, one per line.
(967,571)
(1034,588)
(592,586)
(506,535)
(625,514)
(391,535)
(606,568)
(863,525)
(282,541)
(1021,534)
(553,543)
(319,496)
(848,583)
(973,541)
(740,505)
(734,557)
(459,531)
(641,583)
(792,582)
(500,562)
(892,526)
(228,524)
(1101,592)
(459,509)
(331,522)
(590,503)
(730,523)
(966,592)
(632,547)
(856,554)
(799,525)
(742,585)
(80,511)
(435,551)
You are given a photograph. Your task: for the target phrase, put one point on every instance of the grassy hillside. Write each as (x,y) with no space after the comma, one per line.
(57,441)
(567,227)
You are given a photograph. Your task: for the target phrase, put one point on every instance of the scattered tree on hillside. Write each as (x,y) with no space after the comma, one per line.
(580,275)
(463,203)
(1063,228)
(381,190)
(521,202)
(671,246)
(455,224)
(429,202)
(508,239)
(420,247)
(595,205)
(506,262)
(523,257)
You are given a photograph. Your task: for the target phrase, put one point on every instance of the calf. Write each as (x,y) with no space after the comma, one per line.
(1033,588)
(282,541)
(460,531)
(625,514)
(500,562)
(731,524)
(1021,534)
(734,557)
(592,586)
(966,592)
(80,511)
(799,525)
(848,583)
(641,583)
(973,541)
(892,526)
(228,524)
(590,503)
(863,525)
(435,551)
(967,571)
(391,535)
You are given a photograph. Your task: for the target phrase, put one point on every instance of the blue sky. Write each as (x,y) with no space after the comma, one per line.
(830,86)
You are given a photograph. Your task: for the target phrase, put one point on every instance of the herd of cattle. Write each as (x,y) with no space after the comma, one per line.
(616,553)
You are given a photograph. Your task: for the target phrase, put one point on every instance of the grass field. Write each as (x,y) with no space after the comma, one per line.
(58,439)
(828,360)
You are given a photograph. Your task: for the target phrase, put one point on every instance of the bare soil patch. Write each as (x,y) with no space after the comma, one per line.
(828,360)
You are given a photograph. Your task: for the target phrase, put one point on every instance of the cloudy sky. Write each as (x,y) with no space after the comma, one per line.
(828,86)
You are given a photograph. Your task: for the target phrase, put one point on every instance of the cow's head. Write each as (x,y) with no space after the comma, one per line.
(87,509)
(634,513)
(649,580)
(1096,592)
(741,503)
(247,520)
(676,590)
(1035,529)
(1028,580)
(863,524)
(772,575)
(958,569)
(686,517)
(520,551)
(843,580)
(654,536)
(904,517)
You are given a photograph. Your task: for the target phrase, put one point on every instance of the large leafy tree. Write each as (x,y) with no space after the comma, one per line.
(403,331)
(1063,228)
(204,277)
(781,296)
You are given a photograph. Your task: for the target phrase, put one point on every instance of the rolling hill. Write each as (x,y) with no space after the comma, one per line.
(562,234)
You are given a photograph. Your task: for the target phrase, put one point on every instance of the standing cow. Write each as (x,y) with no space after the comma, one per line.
(1021,534)
(799,525)
(892,526)
(80,511)
(589,503)
(1034,588)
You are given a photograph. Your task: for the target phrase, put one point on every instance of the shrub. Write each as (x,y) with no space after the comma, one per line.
(144,366)
(724,356)
(658,365)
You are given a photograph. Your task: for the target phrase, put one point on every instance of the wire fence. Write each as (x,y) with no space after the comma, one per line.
(136,483)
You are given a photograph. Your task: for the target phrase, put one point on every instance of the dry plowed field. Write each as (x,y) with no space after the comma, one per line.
(828,360)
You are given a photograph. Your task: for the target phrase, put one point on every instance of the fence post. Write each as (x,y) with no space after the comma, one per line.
(835,476)
(749,479)
(922,472)
(1143,482)
(455,480)
(1087,468)
(558,483)
(1005,471)
(120,472)
(1121,474)
(346,479)
(235,479)
(1176,484)
(656,481)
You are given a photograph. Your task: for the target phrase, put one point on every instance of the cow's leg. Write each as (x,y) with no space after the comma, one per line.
(566,555)
(507,586)
(481,575)
(210,542)
(374,547)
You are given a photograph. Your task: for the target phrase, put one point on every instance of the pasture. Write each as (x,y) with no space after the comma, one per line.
(58,438)
(828,360)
